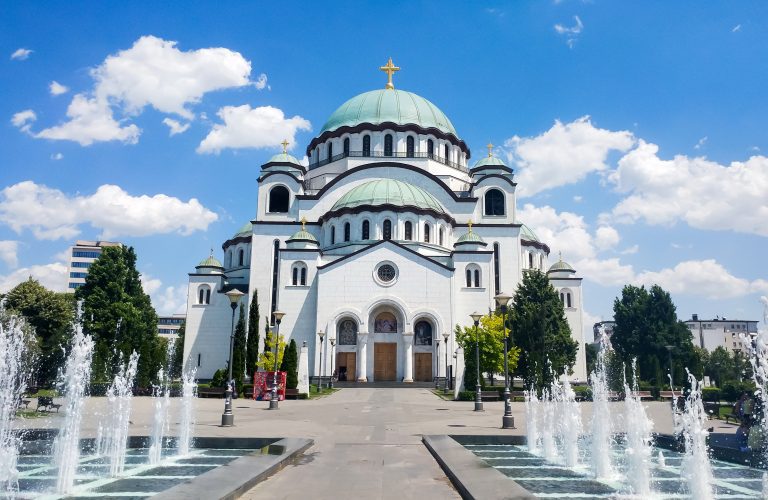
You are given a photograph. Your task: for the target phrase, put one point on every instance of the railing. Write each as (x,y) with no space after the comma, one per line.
(381,154)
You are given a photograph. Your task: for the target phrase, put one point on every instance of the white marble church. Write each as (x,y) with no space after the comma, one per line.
(385,242)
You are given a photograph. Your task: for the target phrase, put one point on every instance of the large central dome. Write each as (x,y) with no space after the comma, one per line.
(389,106)
(388,192)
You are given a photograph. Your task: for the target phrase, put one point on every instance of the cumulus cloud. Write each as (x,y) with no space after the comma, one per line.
(703,193)
(175,126)
(246,127)
(706,278)
(701,142)
(261,82)
(57,89)
(9,253)
(51,214)
(166,300)
(57,156)
(21,54)
(23,119)
(571,33)
(52,276)
(564,154)
(155,73)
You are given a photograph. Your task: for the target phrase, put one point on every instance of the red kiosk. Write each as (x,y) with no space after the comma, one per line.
(262,385)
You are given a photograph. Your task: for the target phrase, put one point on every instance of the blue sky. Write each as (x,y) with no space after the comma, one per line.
(637,131)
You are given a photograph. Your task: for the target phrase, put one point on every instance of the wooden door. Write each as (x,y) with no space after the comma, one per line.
(423,362)
(345,366)
(384,361)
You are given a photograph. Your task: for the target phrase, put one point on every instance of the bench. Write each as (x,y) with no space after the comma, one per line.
(24,402)
(514,395)
(291,393)
(729,416)
(668,394)
(490,395)
(211,392)
(45,403)
(643,394)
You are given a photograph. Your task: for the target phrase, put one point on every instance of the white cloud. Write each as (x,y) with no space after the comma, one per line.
(52,276)
(572,33)
(706,278)
(736,28)
(606,237)
(51,214)
(578,198)
(166,300)
(703,193)
(57,156)
(9,253)
(21,54)
(588,324)
(246,127)
(23,119)
(153,72)
(564,154)
(304,161)
(175,127)
(57,89)
(631,250)
(700,144)
(261,82)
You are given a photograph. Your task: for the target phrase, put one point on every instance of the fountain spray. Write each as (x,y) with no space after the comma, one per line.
(13,340)
(119,395)
(186,431)
(695,468)
(602,438)
(639,438)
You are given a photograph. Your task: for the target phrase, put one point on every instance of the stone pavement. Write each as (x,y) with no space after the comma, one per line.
(367,440)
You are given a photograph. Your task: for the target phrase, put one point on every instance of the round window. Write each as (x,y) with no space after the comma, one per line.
(386,273)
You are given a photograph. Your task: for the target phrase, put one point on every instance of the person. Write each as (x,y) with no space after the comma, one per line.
(738,407)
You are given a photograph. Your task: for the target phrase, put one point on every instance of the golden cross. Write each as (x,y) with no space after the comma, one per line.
(470,226)
(303,223)
(285,145)
(490,149)
(211,252)
(561,256)
(389,69)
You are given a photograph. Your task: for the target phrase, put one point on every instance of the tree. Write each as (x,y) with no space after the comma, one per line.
(541,331)
(491,337)
(177,363)
(252,354)
(290,365)
(238,350)
(51,315)
(120,317)
(646,323)
(591,350)
(267,358)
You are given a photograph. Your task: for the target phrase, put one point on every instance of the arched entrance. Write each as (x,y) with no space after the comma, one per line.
(423,333)
(385,328)
(346,350)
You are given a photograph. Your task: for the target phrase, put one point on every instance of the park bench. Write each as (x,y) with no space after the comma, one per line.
(668,394)
(24,402)
(514,395)
(45,403)
(291,394)
(729,416)
(644,394)
(490,395)
(211,392)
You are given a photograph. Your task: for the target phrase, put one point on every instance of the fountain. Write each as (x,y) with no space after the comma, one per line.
(695,467)
(568,423)
(602,439)
(162,400)
(119,395)
(189,389)
(532,419)
(73,383)
(548,440)
(639,439)
(13,340)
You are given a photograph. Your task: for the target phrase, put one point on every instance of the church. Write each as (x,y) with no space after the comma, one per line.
(386,240)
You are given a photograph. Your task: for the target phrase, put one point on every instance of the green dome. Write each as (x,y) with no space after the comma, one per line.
(561,266)
(284,158)
(389,105)
(470,237)
(490,161)
(527,233)
(210,262)
(388,192)
(246,230)
(303,235)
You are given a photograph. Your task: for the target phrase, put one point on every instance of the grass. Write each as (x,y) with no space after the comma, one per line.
(51,393)
(323,392)
(440,394)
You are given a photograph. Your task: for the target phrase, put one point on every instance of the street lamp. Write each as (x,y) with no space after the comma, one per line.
(478,398)
(437,363)
(671,371)
(320,334)
(445,339)
(508,421)
(273,403)
(228,418)
(332,340)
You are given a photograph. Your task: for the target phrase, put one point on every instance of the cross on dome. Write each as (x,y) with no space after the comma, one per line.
(389,69)
(470,226)
(303,223)
(285,145)
(490,149)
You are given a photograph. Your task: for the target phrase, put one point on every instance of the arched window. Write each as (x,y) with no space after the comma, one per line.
(410,147)
(494,202)
(440,235)
(240,257)
(562,298)
(346,146)
(469,277)
(422,333)
(366,230)
(330,150)
(477,278)
(385,323)
(295,274)
(408,230)
(388,145)
(346,231)
(496,269)
(348,333)
(387,230)
(303,276)
(333,235)
(446,152)
(473,278)
(299,274)
(568,299)
(430,148)
(426,233)
(204,295)
(367,145)
(278,199)
(530,260)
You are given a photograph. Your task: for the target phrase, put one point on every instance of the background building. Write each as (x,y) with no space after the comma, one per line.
(81,256)
(168,326)
(733,334)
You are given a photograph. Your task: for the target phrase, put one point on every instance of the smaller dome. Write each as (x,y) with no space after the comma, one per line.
(284,158)
(210,261)
(561,266)
(388,192)
(246,230)
(470,238)
(490,161)
(303,235)
(527,233)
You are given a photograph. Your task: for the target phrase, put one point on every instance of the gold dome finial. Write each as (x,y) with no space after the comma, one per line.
(389,69)
(285,145)
(561,256)
(470,226)
(490,149)
(303,223)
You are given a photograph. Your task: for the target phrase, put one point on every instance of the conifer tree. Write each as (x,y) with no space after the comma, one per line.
(290,366)
(238,350)
(252,354)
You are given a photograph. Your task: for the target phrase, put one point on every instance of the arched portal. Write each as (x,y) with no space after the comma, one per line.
(386,324)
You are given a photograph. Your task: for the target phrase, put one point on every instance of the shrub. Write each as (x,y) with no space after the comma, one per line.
(583,392)
(466,396)
(303,395)
(219,378)
(710,394)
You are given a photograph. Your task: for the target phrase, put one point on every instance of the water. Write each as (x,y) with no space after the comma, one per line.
(568,420)
(639,439)
(548,439)
(602,438)
(532,419)
(73,383)
(693,423)
(186,431)
(115,436)
(162,398)
(13,342)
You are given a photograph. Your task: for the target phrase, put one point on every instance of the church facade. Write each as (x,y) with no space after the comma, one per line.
(385,242)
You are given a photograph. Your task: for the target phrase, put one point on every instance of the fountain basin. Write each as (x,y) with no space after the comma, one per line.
(218,467)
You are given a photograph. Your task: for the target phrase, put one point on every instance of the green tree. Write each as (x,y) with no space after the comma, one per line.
(646,323)
(120,317)
(252,355)
(238,350)
(491,336)
(267,358)
(591,350)
(177,363)
(51,315)
(290,366)
(541,331)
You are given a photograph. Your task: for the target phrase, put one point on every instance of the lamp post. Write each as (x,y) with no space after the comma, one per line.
(437,364)
(478,398)
(445,339)
(273,402)
(228,418)
(320,334)
(508,421)
(671,370)
(332,340)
